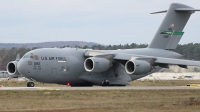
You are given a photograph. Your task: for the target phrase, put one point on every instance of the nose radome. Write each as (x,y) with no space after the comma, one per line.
(21,67)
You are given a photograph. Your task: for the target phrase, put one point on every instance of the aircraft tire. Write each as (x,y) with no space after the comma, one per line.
(30,84)
(113,85)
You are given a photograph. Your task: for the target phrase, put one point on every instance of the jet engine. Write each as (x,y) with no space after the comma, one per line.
(12,68)
(137,67)
(97,64)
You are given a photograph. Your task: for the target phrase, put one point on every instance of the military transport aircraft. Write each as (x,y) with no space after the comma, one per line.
(83,67)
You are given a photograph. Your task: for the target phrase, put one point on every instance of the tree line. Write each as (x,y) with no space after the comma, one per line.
(189,51)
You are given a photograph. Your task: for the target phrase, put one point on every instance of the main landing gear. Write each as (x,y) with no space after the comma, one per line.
(106,83)
(30,84)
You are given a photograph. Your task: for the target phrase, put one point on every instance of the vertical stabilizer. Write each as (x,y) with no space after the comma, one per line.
(171,29)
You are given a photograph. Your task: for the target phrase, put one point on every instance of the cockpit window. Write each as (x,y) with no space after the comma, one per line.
(26,56)
(34,57)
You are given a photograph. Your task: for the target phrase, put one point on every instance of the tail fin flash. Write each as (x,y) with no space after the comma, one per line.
(171,29)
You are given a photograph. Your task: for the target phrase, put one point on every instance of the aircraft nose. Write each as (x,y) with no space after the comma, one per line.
(21,67)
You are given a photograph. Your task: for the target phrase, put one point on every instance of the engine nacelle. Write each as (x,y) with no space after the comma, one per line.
(12,68)
(96,64)
(137,67)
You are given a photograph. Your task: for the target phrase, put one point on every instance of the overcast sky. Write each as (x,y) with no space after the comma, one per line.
(101,21)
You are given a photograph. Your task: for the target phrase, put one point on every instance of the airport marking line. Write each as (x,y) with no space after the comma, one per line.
(104,88)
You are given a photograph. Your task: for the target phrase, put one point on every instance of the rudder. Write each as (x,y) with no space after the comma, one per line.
(171,29)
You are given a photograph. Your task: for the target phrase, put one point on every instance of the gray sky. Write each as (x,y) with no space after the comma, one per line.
(101,21)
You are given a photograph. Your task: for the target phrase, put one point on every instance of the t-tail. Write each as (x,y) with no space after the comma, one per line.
(171,29)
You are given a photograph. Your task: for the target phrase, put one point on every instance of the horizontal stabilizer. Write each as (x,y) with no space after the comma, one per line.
(186,9)
(159,12)
(177,9)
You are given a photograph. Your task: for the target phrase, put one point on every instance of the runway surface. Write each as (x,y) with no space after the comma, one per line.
(105,88)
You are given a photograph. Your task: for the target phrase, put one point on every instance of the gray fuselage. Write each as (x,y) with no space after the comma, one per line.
(66,65)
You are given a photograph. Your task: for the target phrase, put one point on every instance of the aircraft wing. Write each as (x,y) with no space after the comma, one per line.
(171,61)
(123,56)
(158,60)
(154,60)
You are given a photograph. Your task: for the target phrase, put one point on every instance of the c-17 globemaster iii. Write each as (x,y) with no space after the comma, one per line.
(83,67)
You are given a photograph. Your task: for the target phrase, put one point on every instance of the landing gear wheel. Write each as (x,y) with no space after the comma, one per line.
(30,84)
(105,83)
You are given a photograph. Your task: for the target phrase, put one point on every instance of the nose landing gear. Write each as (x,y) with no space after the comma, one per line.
(30,84)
